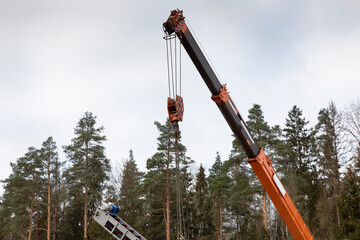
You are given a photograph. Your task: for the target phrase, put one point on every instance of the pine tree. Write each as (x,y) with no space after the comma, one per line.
(186,180)
(15,203)
(21,199)
(49,156)
(58,197)
(86,174)
(241,173)
(159,185)
(34,168)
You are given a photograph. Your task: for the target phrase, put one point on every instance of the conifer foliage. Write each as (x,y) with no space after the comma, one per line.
(204,227)
(319,164)
(130,193)
(87,173)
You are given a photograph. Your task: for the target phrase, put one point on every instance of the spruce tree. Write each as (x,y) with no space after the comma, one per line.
(301,141)
(331,149)
(58,197)
(349,207)
(204,228)
(219,184)
(155,190)
(300,175)
(130,201)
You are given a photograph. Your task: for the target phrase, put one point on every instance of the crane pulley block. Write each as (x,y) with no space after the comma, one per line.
(175,22)
(175,109)
(222,97)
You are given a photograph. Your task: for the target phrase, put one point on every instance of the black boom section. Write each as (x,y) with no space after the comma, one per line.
(200,62)
(227,108)
(239,129)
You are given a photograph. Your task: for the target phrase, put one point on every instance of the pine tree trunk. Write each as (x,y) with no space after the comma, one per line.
(37,224)
(31,213)
(336,185)
(55,220)
(264,211)
(55,224)
(31,206)
(57,204)
(167,203)
(220,222)
(337,211)
(49,201)
(237,227)
(56,215)
(86,191)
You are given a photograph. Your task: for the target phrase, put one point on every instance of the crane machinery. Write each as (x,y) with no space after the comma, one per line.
(117,227)
(175,26)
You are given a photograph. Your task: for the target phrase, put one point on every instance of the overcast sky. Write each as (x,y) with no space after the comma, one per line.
(59,59)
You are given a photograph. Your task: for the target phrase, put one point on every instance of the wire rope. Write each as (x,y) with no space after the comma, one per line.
(172,68)
(179,204)
(175,51)
(174,79)
(180,67)
(167,62)
(203,50)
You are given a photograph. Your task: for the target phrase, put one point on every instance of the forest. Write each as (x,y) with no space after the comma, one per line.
(46,197)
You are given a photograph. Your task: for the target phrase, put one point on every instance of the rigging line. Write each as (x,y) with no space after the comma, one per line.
(175,50)
(172,70)
(203,50)
(180,66)
(167,62)
(178,191)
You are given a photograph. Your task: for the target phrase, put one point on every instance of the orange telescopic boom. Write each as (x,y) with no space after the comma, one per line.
(259,161)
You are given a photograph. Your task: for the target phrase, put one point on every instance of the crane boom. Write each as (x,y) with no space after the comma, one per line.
(256,156)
